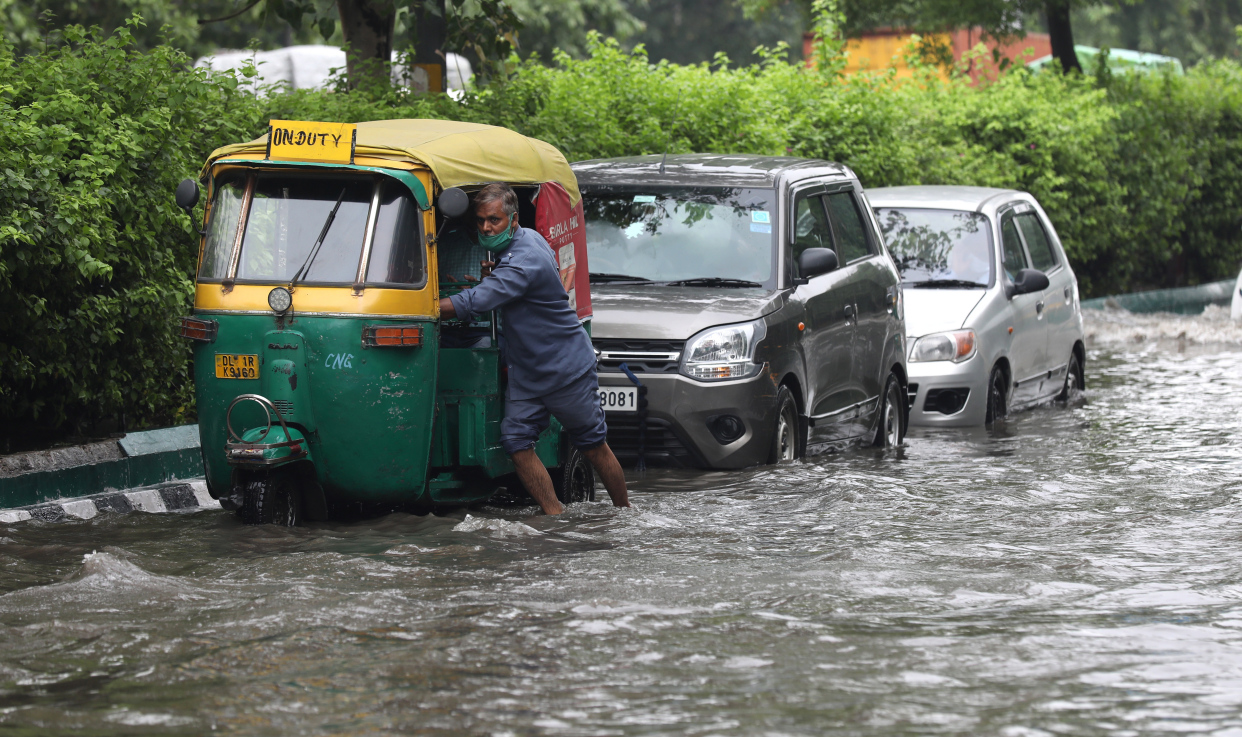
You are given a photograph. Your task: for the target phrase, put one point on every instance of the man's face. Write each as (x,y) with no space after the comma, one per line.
(491,217)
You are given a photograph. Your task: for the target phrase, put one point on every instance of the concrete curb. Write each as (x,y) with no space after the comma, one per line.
(139,459)
(173,497)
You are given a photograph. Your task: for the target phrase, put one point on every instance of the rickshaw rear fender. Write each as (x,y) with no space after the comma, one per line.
(276,457)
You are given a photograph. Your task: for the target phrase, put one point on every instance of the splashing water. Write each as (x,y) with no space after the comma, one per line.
(1075,572)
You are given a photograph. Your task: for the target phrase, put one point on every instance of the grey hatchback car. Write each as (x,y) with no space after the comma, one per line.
(752,296)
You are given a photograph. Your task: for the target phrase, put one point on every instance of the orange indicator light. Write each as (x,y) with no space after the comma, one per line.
(397,336)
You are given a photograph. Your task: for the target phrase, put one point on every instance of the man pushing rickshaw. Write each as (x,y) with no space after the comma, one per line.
(322,383)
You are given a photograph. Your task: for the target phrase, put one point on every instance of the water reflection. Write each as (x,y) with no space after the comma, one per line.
(1075,572)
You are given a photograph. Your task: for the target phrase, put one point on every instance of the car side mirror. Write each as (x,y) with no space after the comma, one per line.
(453,202)
(816,261)
(1027,281)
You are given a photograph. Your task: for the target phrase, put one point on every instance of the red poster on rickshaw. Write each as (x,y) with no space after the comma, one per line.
(565,230)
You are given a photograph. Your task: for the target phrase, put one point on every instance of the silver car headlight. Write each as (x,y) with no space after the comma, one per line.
(955,346)
(725,352)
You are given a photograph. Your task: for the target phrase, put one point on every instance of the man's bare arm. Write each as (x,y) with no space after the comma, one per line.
(446,309)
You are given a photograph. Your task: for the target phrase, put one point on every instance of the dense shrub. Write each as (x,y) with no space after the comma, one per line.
(1139,173)
(1142,177)
(95,260)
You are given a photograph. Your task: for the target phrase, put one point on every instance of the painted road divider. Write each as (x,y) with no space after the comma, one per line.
(173,497)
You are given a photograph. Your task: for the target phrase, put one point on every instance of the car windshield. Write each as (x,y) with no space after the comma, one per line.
(697,236)
(938,247)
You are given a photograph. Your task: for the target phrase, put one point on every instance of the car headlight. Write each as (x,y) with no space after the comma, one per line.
(724,353)
(956,346)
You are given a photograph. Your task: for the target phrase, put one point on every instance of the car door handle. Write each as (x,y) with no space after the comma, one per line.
(1039,308)
(849,312)
(1067,294)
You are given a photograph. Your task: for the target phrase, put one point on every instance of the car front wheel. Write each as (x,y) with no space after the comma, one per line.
(787,443)
(891,429)
(998,396)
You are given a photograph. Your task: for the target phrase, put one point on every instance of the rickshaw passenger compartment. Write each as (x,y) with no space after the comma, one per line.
(470,406)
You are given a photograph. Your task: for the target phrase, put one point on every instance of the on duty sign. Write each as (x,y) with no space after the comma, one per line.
(300,140)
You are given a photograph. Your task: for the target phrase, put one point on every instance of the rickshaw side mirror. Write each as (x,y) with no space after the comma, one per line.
(453,202)
(187,194)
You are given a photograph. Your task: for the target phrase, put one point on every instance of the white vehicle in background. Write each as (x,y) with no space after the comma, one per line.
(310,67)
(1235,311)
(993,320)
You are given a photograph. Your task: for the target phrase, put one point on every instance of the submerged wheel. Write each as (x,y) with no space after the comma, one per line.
(269,498)
(575,481)
(1075,378)
(891,429)
(787,442)
(998,396)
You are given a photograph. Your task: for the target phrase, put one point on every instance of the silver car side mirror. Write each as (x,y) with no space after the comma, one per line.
(1027,281)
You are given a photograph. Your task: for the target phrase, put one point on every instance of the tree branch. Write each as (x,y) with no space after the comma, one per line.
(204,21)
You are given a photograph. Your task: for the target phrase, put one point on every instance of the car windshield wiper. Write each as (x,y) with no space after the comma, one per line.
(605,278)
(946,284)
(713,281)
(310,257)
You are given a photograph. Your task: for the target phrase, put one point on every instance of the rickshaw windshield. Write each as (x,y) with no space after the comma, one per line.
(286,215)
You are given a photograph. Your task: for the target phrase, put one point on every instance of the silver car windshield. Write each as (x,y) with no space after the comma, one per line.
(938,248)
(700,236)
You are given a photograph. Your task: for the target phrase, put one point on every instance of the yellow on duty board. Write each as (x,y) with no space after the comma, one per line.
(300,140)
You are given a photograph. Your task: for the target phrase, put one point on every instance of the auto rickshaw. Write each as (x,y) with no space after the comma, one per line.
(323,389)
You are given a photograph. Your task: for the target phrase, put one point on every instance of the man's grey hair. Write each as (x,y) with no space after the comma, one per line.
(498,191)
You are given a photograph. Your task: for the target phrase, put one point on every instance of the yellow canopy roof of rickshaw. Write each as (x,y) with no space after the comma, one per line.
(458,154)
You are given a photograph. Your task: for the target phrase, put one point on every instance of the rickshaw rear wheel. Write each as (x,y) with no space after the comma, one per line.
(269,498)
(574,481)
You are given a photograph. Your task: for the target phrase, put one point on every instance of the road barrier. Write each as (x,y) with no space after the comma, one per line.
(1182,300)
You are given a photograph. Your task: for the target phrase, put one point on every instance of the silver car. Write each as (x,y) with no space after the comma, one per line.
(993,320)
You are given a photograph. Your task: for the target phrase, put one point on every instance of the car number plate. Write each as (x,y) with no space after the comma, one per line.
(618,399)
(236,366)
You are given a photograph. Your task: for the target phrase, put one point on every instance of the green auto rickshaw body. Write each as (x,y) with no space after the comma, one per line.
(358,417)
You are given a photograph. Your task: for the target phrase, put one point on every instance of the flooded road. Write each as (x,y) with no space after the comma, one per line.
(1078,572)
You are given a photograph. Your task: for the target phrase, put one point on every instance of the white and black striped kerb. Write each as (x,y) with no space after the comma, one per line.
(172,497)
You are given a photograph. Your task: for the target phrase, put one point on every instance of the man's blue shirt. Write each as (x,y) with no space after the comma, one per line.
(545,345)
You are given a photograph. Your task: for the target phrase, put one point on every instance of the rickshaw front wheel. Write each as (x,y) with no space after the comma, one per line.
(268,498)
(575,480)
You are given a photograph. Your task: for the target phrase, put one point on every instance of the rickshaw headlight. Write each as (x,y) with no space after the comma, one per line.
(279,299)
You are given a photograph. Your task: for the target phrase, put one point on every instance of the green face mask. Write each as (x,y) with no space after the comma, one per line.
(498,242)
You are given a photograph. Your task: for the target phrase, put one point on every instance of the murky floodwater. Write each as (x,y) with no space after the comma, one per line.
(1079,572)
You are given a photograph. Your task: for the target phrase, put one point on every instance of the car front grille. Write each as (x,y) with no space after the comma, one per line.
(663,446)
(641,356)
(912,393)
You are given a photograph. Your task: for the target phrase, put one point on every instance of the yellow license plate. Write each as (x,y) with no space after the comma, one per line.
(236,366)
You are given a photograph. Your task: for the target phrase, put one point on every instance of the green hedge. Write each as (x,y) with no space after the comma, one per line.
(1139,174)
(95,259)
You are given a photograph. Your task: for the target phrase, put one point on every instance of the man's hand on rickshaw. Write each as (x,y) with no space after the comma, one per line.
(487,267)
